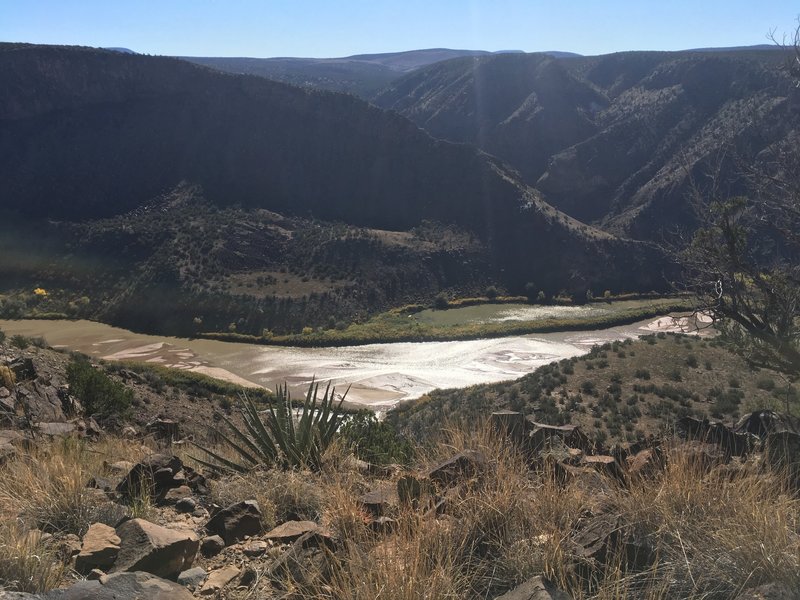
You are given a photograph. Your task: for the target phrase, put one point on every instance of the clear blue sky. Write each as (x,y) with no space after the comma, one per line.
(342,27)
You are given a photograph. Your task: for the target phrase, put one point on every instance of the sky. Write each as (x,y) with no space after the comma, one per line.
(329,28)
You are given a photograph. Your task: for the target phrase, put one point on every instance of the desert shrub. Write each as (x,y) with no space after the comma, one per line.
(98,393)
(375,441)
(765,383)
(491,292)
(642,374)
(691,361)
(20,341)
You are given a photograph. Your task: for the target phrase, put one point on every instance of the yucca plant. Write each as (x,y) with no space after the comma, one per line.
(279,438)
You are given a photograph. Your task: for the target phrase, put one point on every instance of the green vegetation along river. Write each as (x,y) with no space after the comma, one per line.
(380,374)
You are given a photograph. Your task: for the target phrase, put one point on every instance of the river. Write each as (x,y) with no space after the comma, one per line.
(380,375)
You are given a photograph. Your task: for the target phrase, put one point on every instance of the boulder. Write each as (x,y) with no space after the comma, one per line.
(186,505)
(192,578)
(219,579)
(540,435)
(536,588)
(236,521)
(122,586)
(149,547)
(463,465)
(157,473)
(212,545)
(99,550)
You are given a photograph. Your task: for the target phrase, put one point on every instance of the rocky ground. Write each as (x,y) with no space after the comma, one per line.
(514,509)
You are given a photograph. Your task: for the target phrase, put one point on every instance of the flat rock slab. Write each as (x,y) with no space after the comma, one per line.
(291,530)
(219,579)
(149,547)
(122,586)
(99,550)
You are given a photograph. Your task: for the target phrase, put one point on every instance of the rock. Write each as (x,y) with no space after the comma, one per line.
(149,547)
(770,591)
(122,586)
(540,436)
(68,546)
(219,579)
(463,465)
(603,464)
(128,432)
(99,550)
(510,424)
(536,588)
(121,467)
(23,369)
(379,500)
(409,490)
(163,429)
(763,422)
(236,521)
(158,473)
(57,429)
(783,455)
(192,578)
(186,505)
(212,545)
(730,442)
(291,530)
(645,463)
(249,577)
(173,495)
(605,534)
(256,548)
(100,483)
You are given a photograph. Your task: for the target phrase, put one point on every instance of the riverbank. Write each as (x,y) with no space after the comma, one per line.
(400,325)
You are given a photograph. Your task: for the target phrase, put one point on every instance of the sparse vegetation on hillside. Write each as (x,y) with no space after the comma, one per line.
(620,391)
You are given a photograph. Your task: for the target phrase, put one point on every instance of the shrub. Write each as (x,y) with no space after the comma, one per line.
(491,292)
(20,341)
(691,361)
(277,439)
(765,383)
(642,374)
(375,441)
(99,394)
(440,301)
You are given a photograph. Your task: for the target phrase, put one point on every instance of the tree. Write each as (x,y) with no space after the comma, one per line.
(743,263)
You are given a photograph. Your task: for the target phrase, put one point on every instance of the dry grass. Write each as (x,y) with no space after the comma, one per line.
(27,562)
(712,535)
(47,487)
(713,532)
(45,491)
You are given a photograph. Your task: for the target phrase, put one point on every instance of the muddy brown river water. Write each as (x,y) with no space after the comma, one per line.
(380,375)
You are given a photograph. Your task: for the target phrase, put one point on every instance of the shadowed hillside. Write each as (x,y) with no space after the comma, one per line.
(609,139)
(89,134)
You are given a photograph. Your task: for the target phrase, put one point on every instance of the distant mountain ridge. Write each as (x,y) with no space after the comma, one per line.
(610,139)
(101,140)
(361,74)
